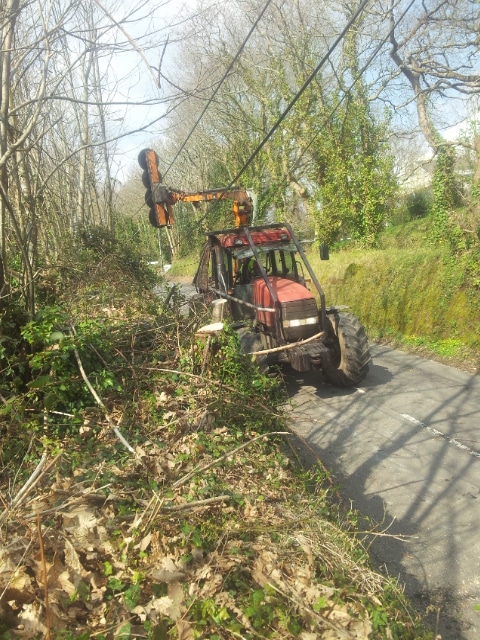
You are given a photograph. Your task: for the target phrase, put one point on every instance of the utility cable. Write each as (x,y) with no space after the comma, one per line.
(348,91)
(299,93)
(308,82)
(225,75)
(297,96)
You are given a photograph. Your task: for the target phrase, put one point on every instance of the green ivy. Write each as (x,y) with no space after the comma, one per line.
(444,190)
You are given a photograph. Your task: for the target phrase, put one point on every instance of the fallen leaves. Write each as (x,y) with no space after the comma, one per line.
(204,531)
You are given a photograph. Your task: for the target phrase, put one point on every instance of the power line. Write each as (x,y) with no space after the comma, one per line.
(297,96)
(299,93)
(348,91)
(225,75)
(308,82)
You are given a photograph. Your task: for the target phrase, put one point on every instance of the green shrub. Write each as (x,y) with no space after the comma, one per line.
(418,203)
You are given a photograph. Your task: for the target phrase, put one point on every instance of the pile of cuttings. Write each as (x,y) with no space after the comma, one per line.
(205,533)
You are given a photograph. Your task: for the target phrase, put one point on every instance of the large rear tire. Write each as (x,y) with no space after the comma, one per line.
(347,364)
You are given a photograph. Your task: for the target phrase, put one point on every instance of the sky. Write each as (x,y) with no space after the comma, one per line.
(134,81)
(137,83)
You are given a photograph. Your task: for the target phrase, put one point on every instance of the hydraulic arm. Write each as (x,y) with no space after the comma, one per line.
(160,198)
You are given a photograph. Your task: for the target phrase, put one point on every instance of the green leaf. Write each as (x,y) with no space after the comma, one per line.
(83,590)
(50,400)
(55,336)
(115,584)
(320,604)
(40,382)
(132,596)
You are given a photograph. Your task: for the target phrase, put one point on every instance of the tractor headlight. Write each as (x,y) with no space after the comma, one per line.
(299,322)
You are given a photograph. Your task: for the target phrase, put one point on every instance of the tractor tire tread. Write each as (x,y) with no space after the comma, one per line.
(351,363)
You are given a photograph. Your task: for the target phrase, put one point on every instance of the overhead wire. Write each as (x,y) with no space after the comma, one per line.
(297,96)
(305,85)
(224,77)
(300,92)
(292,103)
(348,91)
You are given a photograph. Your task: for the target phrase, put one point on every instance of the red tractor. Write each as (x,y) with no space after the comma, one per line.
(274,298)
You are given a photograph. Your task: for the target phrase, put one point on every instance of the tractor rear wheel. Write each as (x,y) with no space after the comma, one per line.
(347,363)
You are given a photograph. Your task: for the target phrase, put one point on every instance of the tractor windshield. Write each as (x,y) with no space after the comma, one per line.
(246,251)
(277,260)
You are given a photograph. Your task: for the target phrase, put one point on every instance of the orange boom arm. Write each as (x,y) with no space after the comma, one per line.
(160,198)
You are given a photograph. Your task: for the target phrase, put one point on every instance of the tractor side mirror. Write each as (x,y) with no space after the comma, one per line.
(324,252)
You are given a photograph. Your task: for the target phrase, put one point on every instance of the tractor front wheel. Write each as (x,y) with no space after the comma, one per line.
(250,343)
(347,362)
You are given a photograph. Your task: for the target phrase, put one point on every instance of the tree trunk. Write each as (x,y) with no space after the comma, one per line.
(476,186)
(8,16)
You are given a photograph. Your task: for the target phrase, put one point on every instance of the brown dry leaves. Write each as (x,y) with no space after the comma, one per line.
(118,557)
(191,537)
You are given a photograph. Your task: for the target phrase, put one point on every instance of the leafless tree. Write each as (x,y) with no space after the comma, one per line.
(65,103)
(437,51)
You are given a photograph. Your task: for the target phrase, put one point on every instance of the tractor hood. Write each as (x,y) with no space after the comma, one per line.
(287,293)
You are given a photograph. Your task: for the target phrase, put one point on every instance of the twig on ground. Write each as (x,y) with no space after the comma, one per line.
(101,404)
(45,578)
(26,487)
(181,481)
(158,503)
(56,413)
(205,355)
(74,499)
(401,537)
(32,481)
(195,503)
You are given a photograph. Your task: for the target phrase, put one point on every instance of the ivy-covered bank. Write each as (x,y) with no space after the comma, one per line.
(410,291)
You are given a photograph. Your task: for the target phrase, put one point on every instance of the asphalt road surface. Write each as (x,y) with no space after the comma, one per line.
(405,449)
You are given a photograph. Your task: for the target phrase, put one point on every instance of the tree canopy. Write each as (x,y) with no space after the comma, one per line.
(280,96)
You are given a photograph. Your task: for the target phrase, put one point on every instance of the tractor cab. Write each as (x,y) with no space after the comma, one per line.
(260,271)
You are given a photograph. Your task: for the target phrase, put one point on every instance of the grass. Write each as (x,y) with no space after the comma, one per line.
(184,266)
(449,348)
(409,293)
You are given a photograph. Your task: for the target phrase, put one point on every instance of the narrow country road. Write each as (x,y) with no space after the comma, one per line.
(405,449)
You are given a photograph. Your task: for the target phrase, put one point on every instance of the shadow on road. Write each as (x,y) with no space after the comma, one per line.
(335,420)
